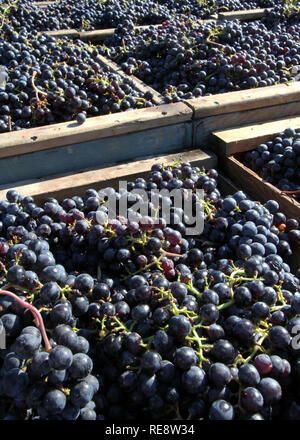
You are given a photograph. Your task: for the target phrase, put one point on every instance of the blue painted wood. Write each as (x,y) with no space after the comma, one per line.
(168,139)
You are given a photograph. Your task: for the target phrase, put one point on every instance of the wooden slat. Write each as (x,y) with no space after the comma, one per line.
(260,190)
(71,184)
(251,14)
(113,149)
(97,35)
(71,33)
(158,99)
(101,34)
(245,100)
(44,4)
(91,36)
(99,127)
(206,125)
(246,138)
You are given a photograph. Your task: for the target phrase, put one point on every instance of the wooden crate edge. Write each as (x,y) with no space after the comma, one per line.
(243,100)
(98,127)
(240,139)
(64,185)
(256,187)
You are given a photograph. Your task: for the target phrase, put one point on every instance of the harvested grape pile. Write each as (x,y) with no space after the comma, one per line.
(136,320)
(278,162)
(196,8)
(50,80)
(85,15)
(183,60)
(95,14)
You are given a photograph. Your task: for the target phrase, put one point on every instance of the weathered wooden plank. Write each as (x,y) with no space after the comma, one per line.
(97,35)
(251,14)
(44,4)
(246,138)
(70,184)
(71,33)
(98,152)
(207,125)
(99,127)
(245,100)
(101,34)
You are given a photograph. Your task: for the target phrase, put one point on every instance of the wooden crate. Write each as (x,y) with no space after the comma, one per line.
(230,145)
(232,109)
(67,185)
(257,188)
(262,191)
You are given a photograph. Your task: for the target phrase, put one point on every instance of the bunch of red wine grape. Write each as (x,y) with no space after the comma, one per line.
(188,59)
(135,318)
(57,80)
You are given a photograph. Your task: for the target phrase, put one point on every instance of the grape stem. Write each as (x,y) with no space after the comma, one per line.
(156,261)
(194,290)
(291,192)
(257,347)
(37,316)
(195,338)
(170,254)
(37,91)
(226,304)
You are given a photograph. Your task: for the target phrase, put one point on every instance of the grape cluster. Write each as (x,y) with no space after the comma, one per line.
(278,162)
(113,317)
(51,80)
(43,384)
(283,17)
(183,60)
